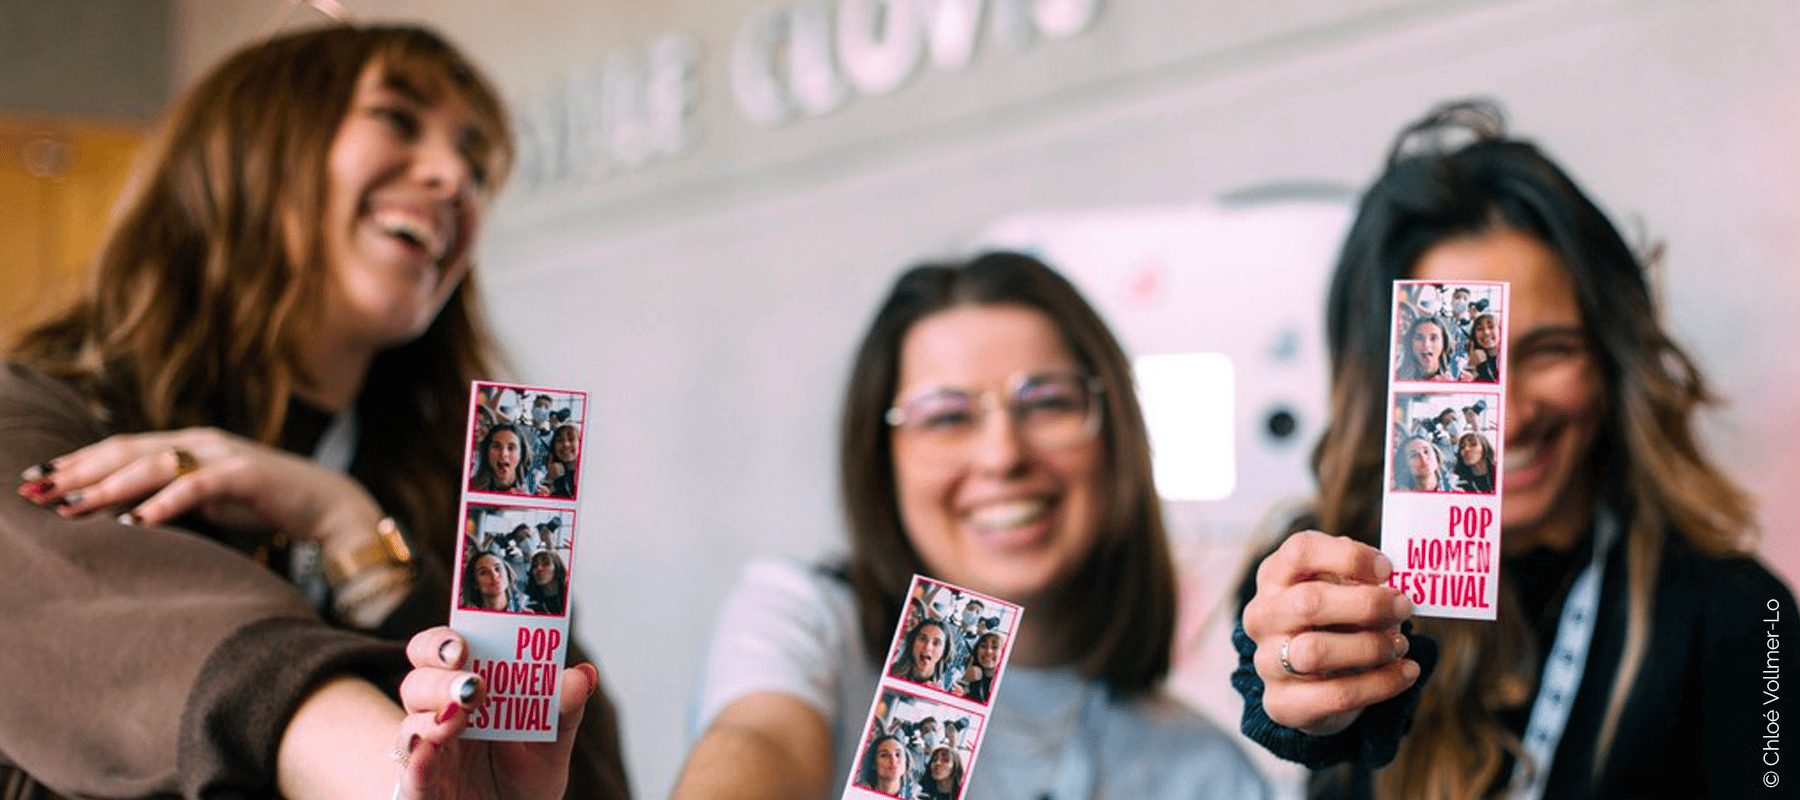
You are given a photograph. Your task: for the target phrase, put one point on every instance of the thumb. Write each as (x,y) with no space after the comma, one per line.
(578,684)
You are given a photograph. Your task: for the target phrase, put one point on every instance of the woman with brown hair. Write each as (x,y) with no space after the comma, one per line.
(243,444)
(1630,625)
(991,439)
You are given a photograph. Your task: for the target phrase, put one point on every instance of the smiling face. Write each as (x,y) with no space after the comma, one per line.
(1427,346)
(1486,332)
(987,653)
(1555,402)
(1004,518)
(562,444)
(401,212)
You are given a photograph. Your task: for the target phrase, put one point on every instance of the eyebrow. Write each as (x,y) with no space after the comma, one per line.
(1539,334)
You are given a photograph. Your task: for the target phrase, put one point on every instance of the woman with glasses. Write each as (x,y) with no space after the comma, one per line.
(991,438)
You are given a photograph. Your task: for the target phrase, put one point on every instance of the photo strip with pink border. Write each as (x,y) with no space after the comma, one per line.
(938,683)
(1440,514)
(513,584)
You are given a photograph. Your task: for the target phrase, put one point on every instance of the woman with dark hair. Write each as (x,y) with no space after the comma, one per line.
(1429,352)
(977,681)
(1474,463)
(991,439)
(488,585)
(1631,605)
(546,585)
(505,462)
(943,777)
(244,442)
(1422,467)
(565,449)
(1484,348)
(922,657)
(885,769)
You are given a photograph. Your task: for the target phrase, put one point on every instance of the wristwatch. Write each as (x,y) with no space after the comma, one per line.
(386,549)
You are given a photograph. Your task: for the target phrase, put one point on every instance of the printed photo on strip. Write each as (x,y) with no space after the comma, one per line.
(917,747)
(952,641)
(515,560)
(1444,442)
(526,441)
(1448,332)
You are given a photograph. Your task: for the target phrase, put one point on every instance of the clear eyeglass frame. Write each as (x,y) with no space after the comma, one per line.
(1044,430)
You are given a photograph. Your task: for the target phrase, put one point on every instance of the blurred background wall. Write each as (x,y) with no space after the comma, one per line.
(715,193)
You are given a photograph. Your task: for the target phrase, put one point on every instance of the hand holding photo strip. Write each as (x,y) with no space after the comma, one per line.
(1440,517)
(518,540)
(937,686)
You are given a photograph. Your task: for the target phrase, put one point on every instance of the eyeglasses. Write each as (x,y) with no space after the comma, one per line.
(1048,410)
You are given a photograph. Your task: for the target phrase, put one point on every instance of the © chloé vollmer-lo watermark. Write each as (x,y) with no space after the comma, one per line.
(1771,676)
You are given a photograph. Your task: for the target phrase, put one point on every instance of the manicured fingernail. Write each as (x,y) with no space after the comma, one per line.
(448,712)
(593,676)
(70,499)
(412,742)
(463,691)
(130,518)
(35,490)
(450,653)
(38,471)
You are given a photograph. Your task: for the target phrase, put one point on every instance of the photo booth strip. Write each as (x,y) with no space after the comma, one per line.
(915,686)
(1440,516)
(519,648)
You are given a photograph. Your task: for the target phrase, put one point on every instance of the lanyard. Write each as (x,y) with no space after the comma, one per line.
(1562,672)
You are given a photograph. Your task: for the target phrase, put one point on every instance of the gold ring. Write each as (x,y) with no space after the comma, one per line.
(184,461)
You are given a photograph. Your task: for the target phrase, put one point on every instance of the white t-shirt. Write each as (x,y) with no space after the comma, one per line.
(789,628)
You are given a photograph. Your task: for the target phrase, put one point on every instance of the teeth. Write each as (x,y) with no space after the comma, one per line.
(1010,514)
(1518,457)
(414,229)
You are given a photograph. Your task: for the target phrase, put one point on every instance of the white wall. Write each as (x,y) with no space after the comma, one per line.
(710,302)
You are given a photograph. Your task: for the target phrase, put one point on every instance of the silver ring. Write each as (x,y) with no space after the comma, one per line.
(400,756)
(1286,665)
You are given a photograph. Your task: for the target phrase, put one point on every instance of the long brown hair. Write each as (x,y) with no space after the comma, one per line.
(1125,613)
(213,268)
(1656,474)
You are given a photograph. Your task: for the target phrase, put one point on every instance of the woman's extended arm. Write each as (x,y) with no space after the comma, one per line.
(764,745)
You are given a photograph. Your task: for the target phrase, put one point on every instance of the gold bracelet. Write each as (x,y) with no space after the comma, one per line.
(387,548)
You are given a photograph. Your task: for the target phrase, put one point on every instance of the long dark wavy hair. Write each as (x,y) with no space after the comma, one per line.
(213,270)
(1121,600)
(1457,173)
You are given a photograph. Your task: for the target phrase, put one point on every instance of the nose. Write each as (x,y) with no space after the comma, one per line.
(997,449)
(441,166)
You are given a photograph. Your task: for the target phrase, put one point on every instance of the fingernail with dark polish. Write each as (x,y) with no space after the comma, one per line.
(38,471)
(130,518)
(448,712)
(463,692)
(70,499)
(451,652)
